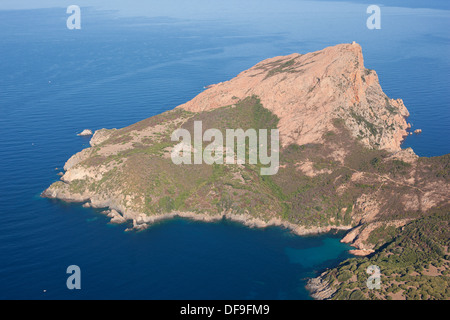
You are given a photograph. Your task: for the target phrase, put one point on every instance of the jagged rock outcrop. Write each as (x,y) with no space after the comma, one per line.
(320,289)
(85,132)
(406,155)
(100,136)
(308,91)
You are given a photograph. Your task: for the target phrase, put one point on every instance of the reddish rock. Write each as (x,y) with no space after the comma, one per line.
(308,91)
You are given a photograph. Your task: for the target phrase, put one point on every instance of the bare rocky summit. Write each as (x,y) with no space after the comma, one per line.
(308,91)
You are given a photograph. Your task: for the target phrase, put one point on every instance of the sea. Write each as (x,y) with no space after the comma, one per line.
(135,59)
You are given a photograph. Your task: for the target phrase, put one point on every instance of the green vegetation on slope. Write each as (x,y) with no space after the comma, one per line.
(414,263)
(325,196)
(317,185)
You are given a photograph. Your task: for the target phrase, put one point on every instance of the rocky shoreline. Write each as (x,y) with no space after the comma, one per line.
(319,289)
(141,221)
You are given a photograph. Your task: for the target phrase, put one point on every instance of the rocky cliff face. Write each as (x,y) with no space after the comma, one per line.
(341,165)
(308,91)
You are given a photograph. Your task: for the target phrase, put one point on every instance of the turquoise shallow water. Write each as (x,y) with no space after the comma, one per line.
(120,69)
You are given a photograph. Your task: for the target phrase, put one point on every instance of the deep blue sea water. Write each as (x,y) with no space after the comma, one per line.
(128,63)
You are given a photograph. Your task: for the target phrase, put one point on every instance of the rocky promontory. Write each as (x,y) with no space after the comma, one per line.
(341,164)
(308,91)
